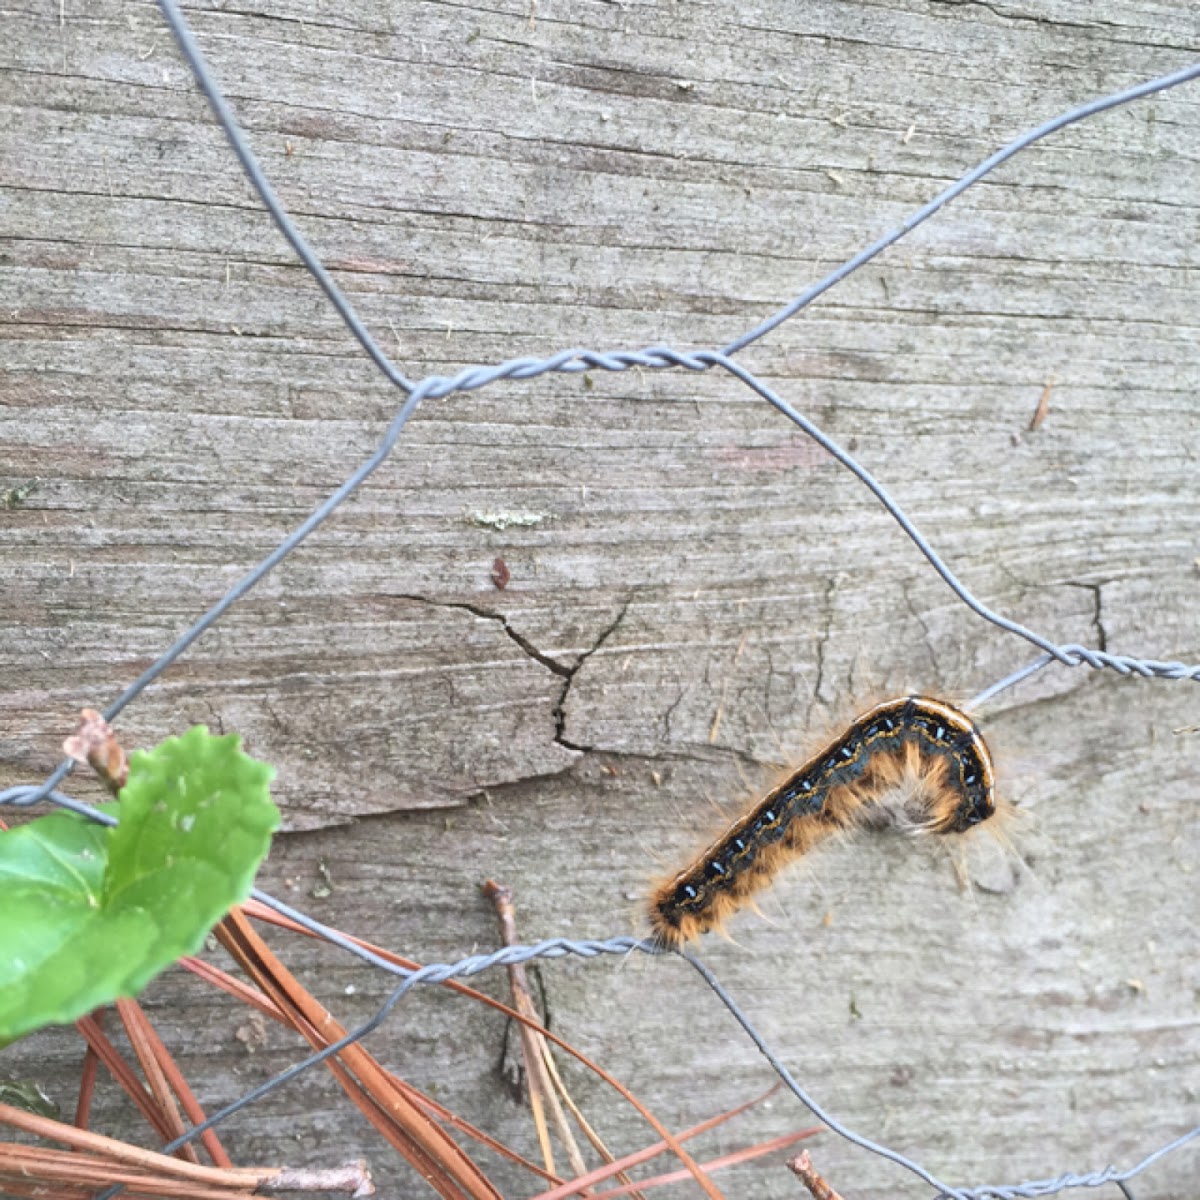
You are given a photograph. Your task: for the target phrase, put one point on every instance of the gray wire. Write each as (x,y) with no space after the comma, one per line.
(25,794)
(266,193)
(327,933)
(243,585)
(1071,655)
(1094,1179)
(956,189)
(1018,676)
(434,973)
(578,360)
(1020,1191)
(20,796)
(561,947)
(790,1083)
(190,50)
(574,361)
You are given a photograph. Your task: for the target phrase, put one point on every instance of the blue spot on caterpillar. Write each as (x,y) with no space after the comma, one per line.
(926,743)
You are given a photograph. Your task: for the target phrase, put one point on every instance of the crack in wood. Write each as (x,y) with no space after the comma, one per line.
(566,673)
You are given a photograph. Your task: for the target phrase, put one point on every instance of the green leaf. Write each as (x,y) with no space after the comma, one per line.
(89,913)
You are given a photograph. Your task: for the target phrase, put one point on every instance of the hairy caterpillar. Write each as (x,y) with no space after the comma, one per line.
(928,744)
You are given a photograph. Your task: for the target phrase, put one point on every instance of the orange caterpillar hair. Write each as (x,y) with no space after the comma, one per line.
(843,787)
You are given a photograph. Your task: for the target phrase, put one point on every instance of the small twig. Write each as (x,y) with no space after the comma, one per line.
(353,1177)
(802,1166)
(541,1088)
(121,1154)
(539,1059)
(41,1171)
(561,1090)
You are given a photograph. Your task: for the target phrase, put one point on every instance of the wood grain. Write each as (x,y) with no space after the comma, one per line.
(696,591)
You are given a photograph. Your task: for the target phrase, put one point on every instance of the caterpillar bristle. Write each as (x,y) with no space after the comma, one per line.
(916,764)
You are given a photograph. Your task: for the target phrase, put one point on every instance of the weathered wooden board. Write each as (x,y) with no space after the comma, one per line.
(696,591)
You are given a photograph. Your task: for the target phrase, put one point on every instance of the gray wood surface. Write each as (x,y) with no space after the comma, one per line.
(696,591)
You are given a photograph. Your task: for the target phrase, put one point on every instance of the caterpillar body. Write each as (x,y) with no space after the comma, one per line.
(923,743)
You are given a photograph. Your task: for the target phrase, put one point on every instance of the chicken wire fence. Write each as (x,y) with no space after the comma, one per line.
(574,361)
